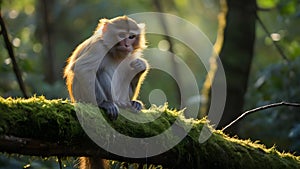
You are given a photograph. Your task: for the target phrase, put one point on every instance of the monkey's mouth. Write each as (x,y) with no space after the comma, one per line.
(124,49)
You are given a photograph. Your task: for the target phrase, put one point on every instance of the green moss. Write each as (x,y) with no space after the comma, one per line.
(57,121)
(37,116)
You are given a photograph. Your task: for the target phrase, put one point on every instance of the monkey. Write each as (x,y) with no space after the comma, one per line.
(107,70)
(93,65)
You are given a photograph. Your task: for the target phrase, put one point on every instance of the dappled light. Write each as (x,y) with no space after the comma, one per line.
(211,62)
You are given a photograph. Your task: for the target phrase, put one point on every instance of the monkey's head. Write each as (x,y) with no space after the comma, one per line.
(122,35)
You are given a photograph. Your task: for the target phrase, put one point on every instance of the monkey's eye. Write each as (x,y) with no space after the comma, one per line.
(132,36)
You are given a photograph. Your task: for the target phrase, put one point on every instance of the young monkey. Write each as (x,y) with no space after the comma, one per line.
(107,70)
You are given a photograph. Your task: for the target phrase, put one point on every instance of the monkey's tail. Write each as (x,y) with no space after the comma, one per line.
(93,163)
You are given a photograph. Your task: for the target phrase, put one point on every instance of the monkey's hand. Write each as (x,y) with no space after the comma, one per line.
(111,109)
(139,65)
(133,105)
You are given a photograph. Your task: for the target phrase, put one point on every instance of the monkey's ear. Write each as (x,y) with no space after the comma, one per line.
(141,26)
(102,26)
(103,21)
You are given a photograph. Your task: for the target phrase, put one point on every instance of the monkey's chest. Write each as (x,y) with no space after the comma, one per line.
(117,78)
(118,70)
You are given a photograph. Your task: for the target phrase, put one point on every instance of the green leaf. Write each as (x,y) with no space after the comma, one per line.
(288,7)
(267,3)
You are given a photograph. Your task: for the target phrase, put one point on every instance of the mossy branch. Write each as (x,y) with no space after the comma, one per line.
(41,127)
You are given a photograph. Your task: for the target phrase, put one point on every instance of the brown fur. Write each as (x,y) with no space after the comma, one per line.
(93,163)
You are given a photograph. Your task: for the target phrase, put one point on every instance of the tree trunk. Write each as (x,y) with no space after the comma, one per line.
(236,56)
(46,8)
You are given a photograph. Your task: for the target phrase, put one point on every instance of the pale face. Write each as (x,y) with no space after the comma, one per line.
(122,36)
(126,42)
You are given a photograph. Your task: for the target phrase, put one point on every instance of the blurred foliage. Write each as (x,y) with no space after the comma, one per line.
(72,21)
(69,23)
(25,162)
(274,80)
(280,126)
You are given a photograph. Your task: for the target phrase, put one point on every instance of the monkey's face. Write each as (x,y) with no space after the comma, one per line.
(122,36)
(126,42)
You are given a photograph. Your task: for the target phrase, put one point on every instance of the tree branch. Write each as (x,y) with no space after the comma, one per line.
(41,127)
(261,108)
(284,57)
(12,57)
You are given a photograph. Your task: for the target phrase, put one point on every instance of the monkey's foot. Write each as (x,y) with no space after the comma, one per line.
(136,105)
(111,109)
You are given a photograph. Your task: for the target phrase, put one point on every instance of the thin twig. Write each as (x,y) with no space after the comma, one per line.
(269,35)
(261,108)
(207,85)
(59,162)
(12,56)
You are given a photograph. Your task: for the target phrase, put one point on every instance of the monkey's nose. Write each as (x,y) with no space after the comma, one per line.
(123,43)
(126,42)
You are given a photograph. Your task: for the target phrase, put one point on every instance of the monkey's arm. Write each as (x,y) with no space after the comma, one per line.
(85,68)
(141,67)
(104,95)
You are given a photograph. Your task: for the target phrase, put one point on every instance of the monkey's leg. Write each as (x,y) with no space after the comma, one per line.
(104,95)
(110,108)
